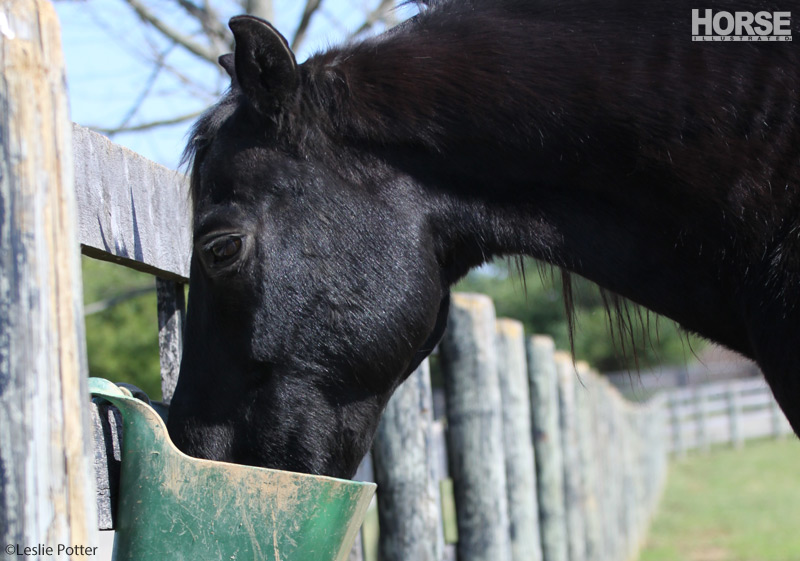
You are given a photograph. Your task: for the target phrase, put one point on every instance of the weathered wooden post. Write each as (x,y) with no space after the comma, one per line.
(47,492)
(655,417)
(626,484)
(523,510)
(587,424)
(171,318)
(475,429)
(735,415)
(700,401)
(573,480)
(406,474)
(616,529)
(677,447)
(547,443)
(599,447)
(627,469)
(777,418)
(637,427)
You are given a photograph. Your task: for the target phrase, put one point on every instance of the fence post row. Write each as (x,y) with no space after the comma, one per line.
(547,463)
(46,488)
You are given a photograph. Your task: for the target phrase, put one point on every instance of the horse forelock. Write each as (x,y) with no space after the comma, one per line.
(203,133)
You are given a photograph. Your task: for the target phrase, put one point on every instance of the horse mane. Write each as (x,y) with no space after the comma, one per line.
(202,133)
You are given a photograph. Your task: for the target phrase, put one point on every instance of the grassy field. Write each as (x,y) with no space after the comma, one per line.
(731,506)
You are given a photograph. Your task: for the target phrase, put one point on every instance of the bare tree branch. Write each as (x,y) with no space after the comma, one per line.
(210,21)
(173,34)
(150,125)
(148,87)
(212,38)
(103,305)
(377,15)
(311,7)
(259,8)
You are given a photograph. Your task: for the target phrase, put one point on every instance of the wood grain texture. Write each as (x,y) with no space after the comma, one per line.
(407,474)
(547,443)
(46,488)
(171,318)
(523,509)
(587,423)
(475,429)
(107,437)
(131,210)
(574,495)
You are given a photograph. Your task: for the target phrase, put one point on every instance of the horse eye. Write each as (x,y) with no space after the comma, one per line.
(224,249)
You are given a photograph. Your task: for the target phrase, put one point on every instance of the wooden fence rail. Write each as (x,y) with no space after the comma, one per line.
(723,413)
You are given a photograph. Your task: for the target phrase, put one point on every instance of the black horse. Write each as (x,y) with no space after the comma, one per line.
(336,201)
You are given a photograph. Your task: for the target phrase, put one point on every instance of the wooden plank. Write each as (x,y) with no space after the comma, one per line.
(131,211)
(475,429)
(47,491)
(589,461)
(573,478)
(171,318)
(780,426)
(107,438)
(735,417)
(406,471)
(761,400)
(523,509)
(547,442)
(702,419)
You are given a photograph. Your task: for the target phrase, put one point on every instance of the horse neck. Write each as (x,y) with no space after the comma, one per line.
(579,149)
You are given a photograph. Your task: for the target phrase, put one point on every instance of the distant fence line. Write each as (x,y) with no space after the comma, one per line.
(547,460)
(664,378)
(723,413)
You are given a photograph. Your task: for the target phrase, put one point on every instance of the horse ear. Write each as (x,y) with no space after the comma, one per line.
(226,61)
(265,65)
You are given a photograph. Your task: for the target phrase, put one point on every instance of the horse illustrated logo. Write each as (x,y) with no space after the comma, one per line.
(708,25)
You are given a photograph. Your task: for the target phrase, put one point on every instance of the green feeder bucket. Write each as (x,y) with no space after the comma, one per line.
(173,507)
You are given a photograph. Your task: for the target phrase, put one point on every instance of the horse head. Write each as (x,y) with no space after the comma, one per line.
(307,304)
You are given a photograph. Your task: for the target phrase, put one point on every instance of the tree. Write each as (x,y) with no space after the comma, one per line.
(183,39)
(609,337)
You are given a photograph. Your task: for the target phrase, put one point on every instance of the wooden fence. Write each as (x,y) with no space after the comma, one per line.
(723,413)
(546,463)
(113,205)
(547,460)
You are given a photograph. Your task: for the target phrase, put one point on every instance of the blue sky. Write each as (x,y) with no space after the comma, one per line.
(106,47)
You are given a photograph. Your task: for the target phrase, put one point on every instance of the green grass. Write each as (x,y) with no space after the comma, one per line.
(731,506)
